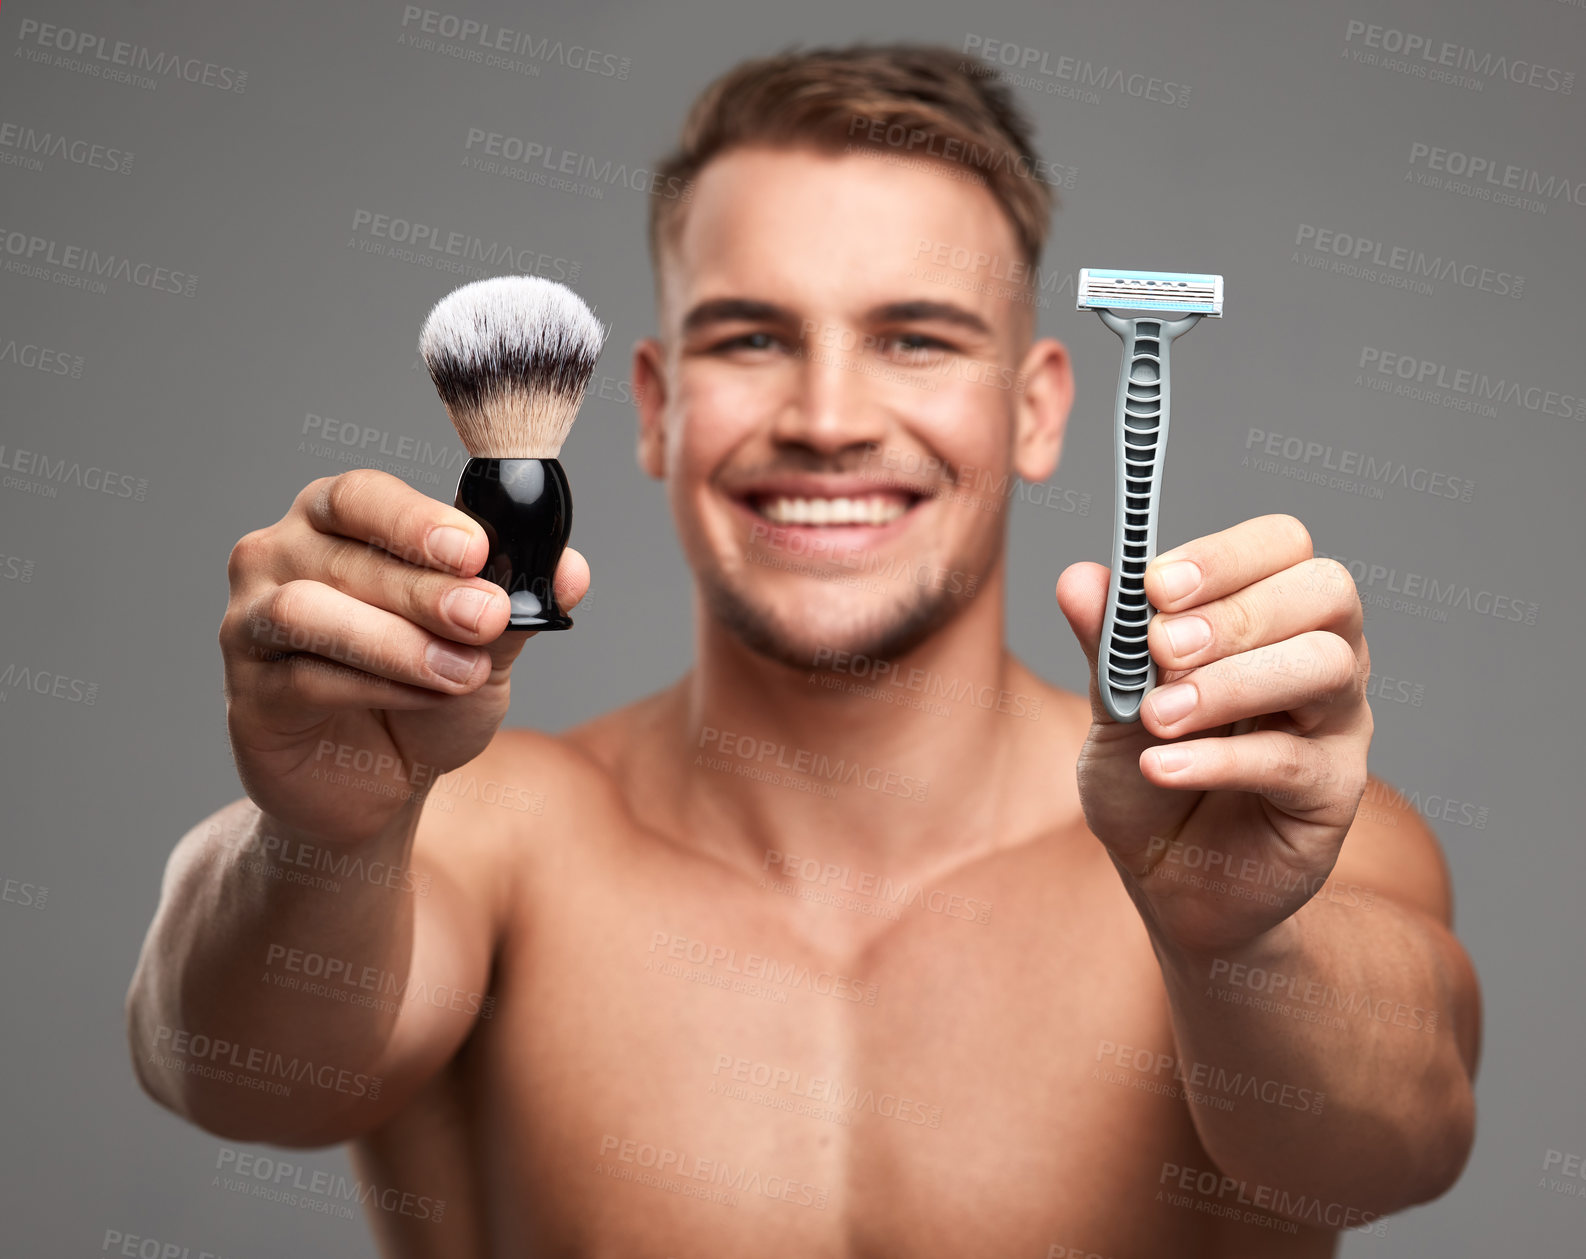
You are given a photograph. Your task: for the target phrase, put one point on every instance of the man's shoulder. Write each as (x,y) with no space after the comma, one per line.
(599,746)
(547,781)
(532,805)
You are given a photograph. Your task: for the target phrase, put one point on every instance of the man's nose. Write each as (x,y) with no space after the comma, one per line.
(833,405)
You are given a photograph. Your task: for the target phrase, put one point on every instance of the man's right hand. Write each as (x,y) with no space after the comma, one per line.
(356,623)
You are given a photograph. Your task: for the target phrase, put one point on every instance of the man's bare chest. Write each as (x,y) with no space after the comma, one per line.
(865,1065)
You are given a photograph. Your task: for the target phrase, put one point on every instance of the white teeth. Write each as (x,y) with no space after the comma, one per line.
(873,510)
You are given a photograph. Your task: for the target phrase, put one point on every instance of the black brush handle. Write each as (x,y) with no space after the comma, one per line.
(526,509)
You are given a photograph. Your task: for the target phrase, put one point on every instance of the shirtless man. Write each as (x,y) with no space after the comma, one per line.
(859,939)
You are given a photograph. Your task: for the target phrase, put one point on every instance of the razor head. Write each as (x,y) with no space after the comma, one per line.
(1101,288)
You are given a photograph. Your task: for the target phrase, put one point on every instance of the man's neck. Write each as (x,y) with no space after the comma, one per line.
(901,770)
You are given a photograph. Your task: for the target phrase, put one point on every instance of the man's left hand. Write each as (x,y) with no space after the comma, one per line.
(1225,805)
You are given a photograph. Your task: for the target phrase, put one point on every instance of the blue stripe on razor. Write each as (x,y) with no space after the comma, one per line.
(1188,291)
(1146,303)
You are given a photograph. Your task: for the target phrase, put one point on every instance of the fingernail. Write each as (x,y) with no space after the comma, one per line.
(1187,633)
(1170,703)
(466,607)
(1171,760)
(1180,578)
(455,664)
(449,545)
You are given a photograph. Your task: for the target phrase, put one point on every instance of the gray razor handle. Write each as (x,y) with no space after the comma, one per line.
(1125,670)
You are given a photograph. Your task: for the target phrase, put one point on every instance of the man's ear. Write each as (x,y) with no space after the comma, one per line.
(649,397)
(1047,393)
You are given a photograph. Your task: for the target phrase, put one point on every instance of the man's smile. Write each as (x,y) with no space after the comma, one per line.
(845,510)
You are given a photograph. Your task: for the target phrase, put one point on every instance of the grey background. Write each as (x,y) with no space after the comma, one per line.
(206,398)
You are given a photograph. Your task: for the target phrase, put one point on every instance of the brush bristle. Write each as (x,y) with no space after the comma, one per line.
(511,358)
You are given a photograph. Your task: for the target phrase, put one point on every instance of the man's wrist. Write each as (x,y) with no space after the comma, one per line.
(282,843)
(1188,968)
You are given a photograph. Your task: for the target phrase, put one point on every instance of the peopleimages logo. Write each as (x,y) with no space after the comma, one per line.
(1367,470)
(1415,373)
(856,1098)
(426,244)
(498,46)
(1430,58)
(264,1170)
(41,358)
(1423,595)
(52,472)
(671,1170)
(750,756)
(1484,176)
(1398,265)
(102,58)
(179,1049)
(540,162)
(1037,69)
(1213,1189)
(21,145)
(82,267)
(45,682)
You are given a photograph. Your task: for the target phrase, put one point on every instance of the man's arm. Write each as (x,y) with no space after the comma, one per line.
(1356,1020)
(1225,810)
(283,991)
(277,997)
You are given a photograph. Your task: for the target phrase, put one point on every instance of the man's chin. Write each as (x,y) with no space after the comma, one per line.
(877,629)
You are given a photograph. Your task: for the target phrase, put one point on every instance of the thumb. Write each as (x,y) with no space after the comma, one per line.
(570,585)
(1082,596)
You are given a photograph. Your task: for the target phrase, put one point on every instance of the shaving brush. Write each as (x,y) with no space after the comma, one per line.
(511,358)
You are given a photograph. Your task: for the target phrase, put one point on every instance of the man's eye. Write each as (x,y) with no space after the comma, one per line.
(750,341)
(917,343)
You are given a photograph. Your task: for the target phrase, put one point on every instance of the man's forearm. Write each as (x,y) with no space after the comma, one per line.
(221,1028)
(1371,1012)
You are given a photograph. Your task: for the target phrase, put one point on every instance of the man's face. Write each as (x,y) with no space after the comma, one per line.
(839,419)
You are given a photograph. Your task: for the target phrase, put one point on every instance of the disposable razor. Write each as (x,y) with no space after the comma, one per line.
(1125,670)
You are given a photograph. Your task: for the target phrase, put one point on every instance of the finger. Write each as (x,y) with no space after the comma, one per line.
(1221,563)
(305,688)
(1315,594)
(375,507)
(569,585)
(1312,678)
(571,582)
(312,618)
(466,609)
(1082,597)
(1304,777)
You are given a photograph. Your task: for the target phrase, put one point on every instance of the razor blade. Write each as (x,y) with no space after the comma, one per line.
(1125,672)
(1101,288)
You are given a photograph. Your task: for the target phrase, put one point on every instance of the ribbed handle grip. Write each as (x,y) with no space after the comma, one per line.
(1126,671)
